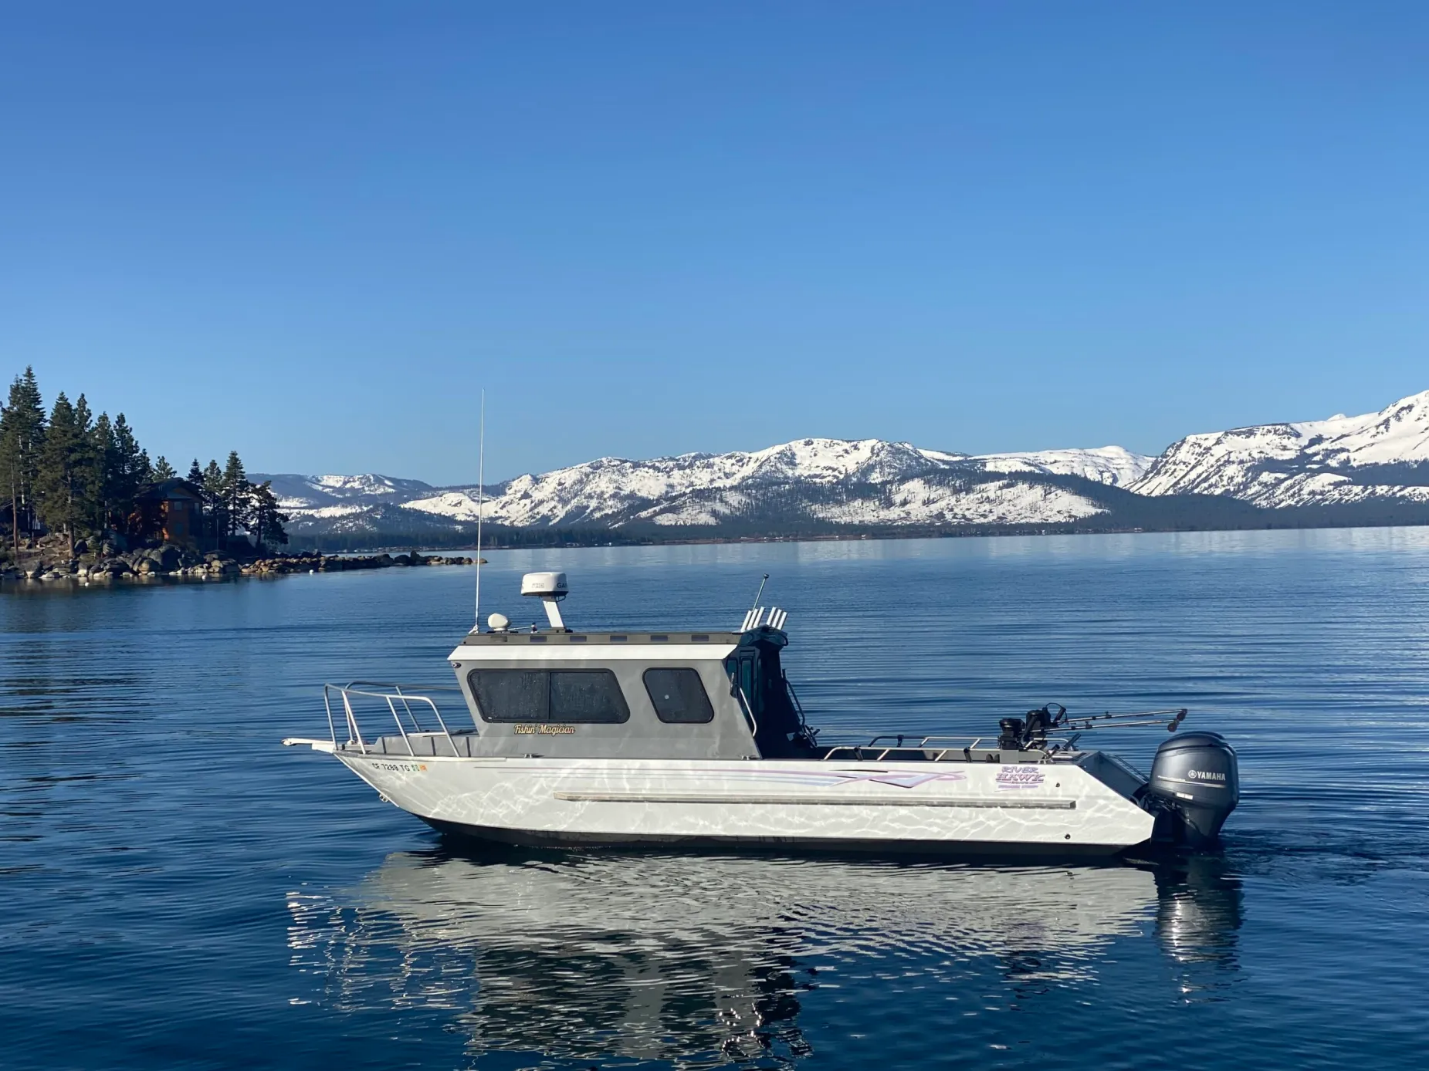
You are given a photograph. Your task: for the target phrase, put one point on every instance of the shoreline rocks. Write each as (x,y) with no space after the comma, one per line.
(171,561)
(319,563)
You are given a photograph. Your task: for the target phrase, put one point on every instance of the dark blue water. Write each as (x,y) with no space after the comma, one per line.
(176,890)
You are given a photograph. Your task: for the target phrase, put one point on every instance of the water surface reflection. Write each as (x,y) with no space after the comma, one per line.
(713,959)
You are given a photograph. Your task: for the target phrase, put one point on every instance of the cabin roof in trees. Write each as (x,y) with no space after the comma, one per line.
(170,490)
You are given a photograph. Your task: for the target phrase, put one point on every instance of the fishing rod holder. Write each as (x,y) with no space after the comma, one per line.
(1032,730)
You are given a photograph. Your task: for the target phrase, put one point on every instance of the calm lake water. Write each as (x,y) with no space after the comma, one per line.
(177,890)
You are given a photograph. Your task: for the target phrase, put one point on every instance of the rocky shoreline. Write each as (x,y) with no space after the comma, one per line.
(107,564)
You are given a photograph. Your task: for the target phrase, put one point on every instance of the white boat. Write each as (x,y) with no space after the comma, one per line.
(697,739)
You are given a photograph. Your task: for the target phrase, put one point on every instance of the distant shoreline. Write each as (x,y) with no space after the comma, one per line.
(558,539)
(903,535)
(309,562)
(152,564)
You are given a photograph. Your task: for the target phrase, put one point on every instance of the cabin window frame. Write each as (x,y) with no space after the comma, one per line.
(699,683)
(548,711)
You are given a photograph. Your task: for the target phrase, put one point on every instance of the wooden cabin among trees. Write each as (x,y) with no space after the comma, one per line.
(170,509)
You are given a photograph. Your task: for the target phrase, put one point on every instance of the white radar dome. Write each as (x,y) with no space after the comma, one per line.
(498,623)
(545,585)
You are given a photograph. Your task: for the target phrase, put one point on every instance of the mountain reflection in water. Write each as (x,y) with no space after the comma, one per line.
(711,959)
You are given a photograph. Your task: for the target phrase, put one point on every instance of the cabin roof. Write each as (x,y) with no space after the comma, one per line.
(612,645)
(614,639)
(169,490)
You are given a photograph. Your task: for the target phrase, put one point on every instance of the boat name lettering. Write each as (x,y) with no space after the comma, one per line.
(544,729)
(1019,777)
(1206,775)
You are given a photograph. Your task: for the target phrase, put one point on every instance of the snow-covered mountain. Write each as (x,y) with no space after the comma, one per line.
(870,483)
(301,495)
(1114,465)
(613,489)
(1345,459)
(833,481)
(839,481)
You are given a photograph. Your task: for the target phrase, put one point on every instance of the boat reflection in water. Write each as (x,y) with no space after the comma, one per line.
(711,959)
(1198,913)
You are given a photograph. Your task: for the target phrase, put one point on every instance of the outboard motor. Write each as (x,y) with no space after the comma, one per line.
(1196,781)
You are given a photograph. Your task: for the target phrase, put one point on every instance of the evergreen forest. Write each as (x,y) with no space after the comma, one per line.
(65,471)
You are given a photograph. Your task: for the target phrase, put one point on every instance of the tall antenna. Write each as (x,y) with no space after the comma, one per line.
(759,592)
(480,494)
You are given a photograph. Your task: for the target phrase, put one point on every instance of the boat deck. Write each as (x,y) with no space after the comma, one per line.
(463,743)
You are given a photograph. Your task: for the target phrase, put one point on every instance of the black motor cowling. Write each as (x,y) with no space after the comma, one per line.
(1196,783)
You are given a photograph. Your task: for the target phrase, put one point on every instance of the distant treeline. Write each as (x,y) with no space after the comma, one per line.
(492,536)
(71,472)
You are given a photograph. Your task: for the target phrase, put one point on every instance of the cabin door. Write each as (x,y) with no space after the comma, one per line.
(744,675)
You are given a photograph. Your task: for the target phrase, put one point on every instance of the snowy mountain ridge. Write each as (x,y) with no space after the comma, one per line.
(872,483)
(1339,460)
(705,489)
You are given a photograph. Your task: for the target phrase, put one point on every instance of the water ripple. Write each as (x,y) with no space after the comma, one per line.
(176,890)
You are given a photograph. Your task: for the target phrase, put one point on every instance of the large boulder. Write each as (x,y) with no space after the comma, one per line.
(168,556)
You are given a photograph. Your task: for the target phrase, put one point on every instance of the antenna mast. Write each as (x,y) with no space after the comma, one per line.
(759,593)
(480,494)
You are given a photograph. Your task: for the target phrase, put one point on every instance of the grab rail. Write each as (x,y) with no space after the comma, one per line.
(748,710)
(392,695)
(857,750)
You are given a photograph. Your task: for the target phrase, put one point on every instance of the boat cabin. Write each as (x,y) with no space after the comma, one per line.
(557,692)
(695,695)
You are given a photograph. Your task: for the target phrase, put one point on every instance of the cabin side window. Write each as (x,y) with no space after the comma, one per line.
(587,696)
(573,697)
(678,696)
(511,694)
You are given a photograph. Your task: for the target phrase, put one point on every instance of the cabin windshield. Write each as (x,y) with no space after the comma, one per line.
(758,680)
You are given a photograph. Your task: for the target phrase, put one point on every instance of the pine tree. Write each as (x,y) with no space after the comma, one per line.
(215,501)
(267,518)
(9,467)
(22,437)
(89,470)
(197,478)
(237,492)
(106,455)
(133,461)
(163,470)
(66,468)
(132,472)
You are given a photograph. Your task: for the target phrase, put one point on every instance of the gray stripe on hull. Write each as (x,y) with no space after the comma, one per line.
(1001,850)
(820,801)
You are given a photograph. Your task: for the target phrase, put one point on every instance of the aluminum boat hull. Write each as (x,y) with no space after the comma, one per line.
(1055,808)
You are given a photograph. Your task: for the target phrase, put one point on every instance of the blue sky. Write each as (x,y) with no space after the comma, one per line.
(314,232)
